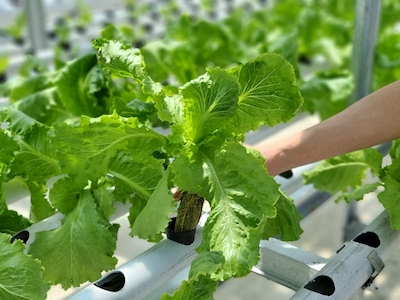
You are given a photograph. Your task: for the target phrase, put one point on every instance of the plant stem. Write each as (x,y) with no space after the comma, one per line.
(189,212)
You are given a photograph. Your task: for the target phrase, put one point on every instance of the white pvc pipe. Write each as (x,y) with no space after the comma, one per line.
(355,264)
(148,272)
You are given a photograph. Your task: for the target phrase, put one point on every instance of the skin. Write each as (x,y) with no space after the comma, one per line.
(373,120)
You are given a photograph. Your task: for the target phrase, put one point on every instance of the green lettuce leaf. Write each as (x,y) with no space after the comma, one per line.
(136,180)
(120,58)
(286,46)
(49,98)
(268,93)
(64,194)
(20,88)
(3,204)
(286,224)
(389,197)
(386,63)
(391,201)
(40,207)
(104,199)
(165,58)
(21,277)
(326,93)
(85,244)
(134,108)
(90,92)
(395,150)
(201,283)
(15,120)
(242,196)
(4,61)
(165,111)
(359,192)
(338,173)
(84,151)
(36,158)
(111,32)
(11,222)
(170,109)
(44,106)
(209,102)
(153,219)
(7,149)
(209,44)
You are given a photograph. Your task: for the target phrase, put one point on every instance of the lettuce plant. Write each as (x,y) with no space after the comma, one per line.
(17,29)
(346,177)
(84,16)
(95,159)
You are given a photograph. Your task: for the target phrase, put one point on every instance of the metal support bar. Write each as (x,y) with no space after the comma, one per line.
(354,266)
(286,264)
(377,264)
(365,35)
(36,24)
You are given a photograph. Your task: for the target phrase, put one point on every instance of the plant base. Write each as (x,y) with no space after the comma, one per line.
(189,211)
(184,238)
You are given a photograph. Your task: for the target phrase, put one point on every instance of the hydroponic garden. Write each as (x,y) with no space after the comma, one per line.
(146,110)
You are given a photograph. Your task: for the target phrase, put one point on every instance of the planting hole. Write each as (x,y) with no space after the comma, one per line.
(22,235)
(323,285)
(112,282)
(287,174)
(368,238)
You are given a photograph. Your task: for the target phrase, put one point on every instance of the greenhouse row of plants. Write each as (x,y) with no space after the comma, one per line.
(158,123)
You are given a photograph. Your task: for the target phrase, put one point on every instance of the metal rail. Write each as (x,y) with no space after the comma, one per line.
(365,36)
(286,264)
(36,24)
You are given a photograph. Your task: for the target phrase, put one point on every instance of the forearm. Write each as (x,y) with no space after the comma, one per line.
(372,120)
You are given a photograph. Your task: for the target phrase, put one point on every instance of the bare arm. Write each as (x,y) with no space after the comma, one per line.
(370,121)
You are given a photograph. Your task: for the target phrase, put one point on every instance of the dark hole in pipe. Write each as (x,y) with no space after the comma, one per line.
(323,285)
(112,282)
(287,174)
(22,235)
(368,238)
